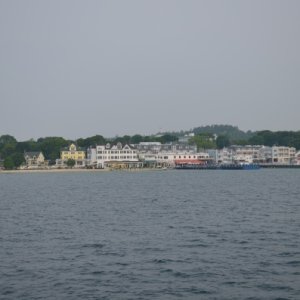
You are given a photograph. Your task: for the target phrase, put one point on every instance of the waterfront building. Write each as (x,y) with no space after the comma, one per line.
(247,153)
(34,160)
(144,147)
(213,154)
(297,158)
(283,154)
(169,159)
(225,156)
(178,147)
(91,157)
(254,154)
(155,147)
(265,154)
(72,152)
(116,156)
(1,163)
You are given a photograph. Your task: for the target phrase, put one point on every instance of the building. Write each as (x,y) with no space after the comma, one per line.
(283,154)
(265,154)
(185,139)
(91,157)
(156,147)
(116,156)
(72,152)
(169,159)
(153,147)
(34,160)
(297,158)
(1,163)
(247,153)
(224,156)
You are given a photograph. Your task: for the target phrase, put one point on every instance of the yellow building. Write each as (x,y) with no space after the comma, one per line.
(72,152)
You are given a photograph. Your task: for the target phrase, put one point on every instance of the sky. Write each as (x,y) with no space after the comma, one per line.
(80,68)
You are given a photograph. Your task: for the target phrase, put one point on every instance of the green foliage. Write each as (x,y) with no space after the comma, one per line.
(124,140)
(18,159)
(203,141)
(167,138)
(8,163)
(91,141)
(240,142)
(136,139)
(256,140)
(232,132)
(70,163)
(27,146)
(7,139)
(222,141)
(51,146)
(8,149)
(279,138)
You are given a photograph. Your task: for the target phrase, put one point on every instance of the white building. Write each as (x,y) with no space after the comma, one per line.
(91,157)
(155,147)
(107,154)
(35,160)
(247,153)
(186,137)
(224,156)
(283,155)
(168,159)
(297,158)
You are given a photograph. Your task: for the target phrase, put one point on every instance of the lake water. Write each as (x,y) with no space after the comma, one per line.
(150,235)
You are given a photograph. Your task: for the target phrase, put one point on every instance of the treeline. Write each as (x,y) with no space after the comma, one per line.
(266,137)
(278,138)
(12,151)
(232,132)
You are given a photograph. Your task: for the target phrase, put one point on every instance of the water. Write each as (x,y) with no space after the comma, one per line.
(150,235)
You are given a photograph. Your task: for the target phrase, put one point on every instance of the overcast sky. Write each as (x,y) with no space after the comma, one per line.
(79,68)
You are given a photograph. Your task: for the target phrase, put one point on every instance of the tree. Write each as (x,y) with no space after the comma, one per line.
(8,149)
(70,163)
(203,142)
(51,146)
(7,139)
(8,163)
(256,140)
(222,141)
(136,139)
(18,159)
(167,138)
(91,141)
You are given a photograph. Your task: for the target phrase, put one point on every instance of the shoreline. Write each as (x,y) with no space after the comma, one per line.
(74,170)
